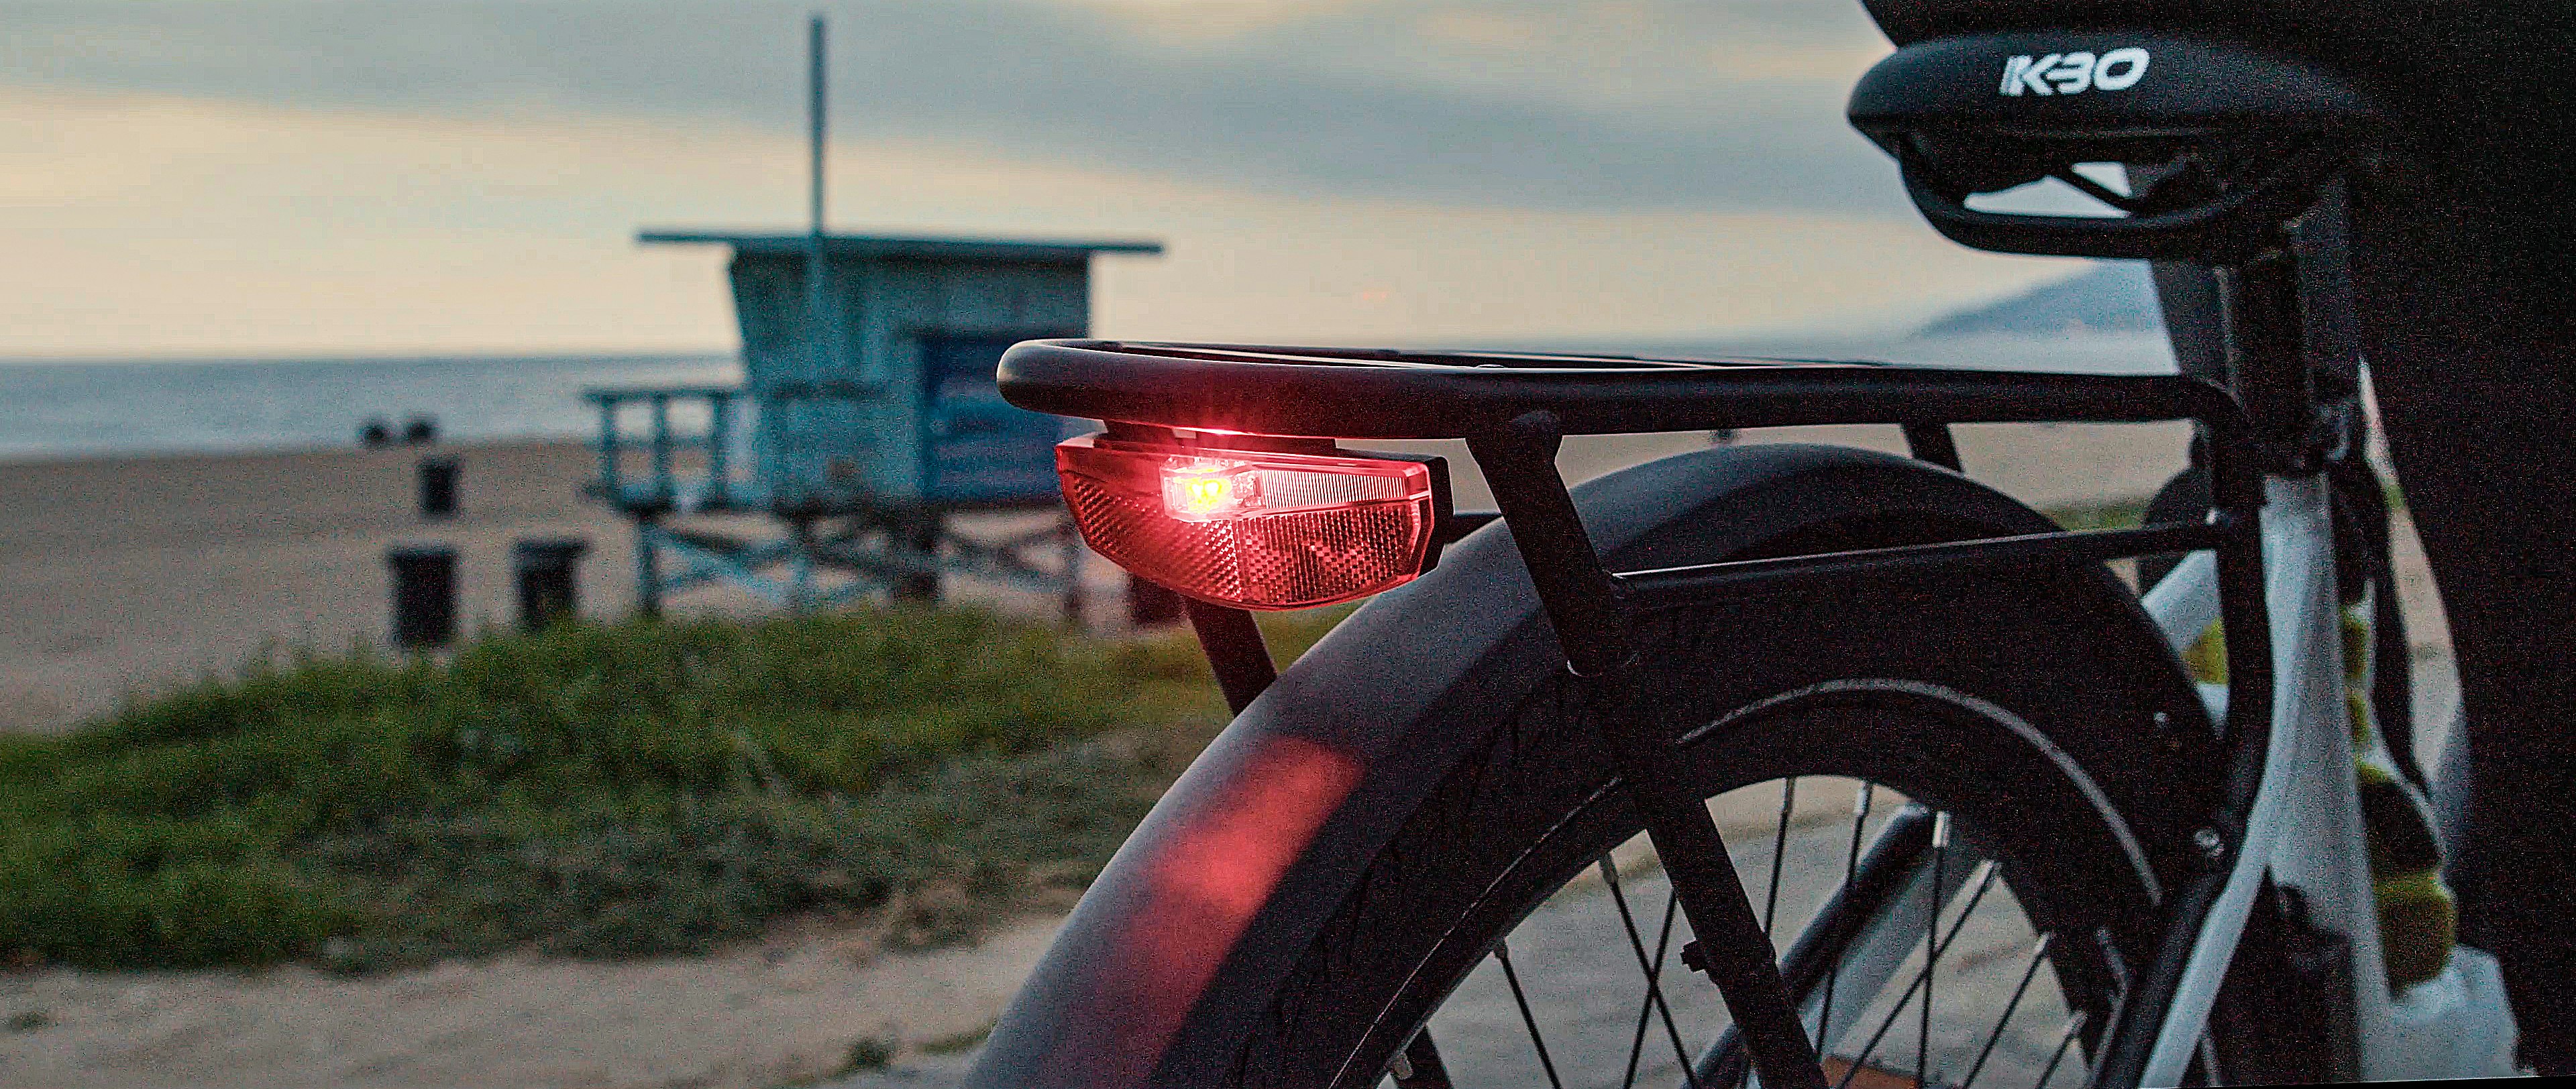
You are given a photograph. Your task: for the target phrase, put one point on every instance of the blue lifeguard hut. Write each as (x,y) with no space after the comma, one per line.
(867,424)
(867,419)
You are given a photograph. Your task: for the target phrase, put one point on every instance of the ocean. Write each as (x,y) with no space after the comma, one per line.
(59,410)
(54,410)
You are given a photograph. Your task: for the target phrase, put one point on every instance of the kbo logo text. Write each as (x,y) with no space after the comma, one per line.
(2074,73)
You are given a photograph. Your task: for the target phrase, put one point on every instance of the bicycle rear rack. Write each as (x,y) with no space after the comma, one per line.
(1514,409)
(1384,394)
(1252,396)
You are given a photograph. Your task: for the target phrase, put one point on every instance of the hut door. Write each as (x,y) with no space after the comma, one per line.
(978,448)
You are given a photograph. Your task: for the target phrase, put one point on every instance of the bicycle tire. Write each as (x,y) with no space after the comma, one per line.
(1531,808)
(1177,956)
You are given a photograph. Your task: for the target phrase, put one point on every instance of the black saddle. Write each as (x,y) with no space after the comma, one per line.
(2222,138)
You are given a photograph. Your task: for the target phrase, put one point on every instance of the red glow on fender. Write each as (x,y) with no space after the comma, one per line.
(1203,889)
(1225,866)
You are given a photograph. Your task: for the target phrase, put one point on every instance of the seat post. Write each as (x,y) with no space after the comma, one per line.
(2259,334)
(2286,330)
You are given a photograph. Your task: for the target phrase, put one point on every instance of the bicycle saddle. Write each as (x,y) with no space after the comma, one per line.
(2222,139)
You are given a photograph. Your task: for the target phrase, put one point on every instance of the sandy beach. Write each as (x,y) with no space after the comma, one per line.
(129,575)
(783,1012)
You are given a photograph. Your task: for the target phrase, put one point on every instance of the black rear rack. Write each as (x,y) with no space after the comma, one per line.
(1514,409)
(1359,393)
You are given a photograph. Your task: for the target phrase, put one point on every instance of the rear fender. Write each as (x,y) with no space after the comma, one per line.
(1226,883)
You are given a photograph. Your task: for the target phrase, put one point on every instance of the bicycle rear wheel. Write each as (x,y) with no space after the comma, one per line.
(1521,918)
(1417,783)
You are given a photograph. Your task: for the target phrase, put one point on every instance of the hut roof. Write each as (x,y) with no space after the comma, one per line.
(955,248)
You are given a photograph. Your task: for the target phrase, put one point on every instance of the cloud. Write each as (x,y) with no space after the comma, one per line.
(166,224)
(252,176)
(1616,105)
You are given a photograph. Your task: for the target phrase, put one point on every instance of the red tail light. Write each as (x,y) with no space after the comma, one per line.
(1250,528)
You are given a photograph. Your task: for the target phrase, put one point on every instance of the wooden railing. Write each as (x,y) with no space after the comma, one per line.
(732,412)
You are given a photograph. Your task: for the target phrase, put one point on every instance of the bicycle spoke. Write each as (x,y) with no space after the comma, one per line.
(1663,944)
(1869,1050)
(1645,1005)
(1851,865)
(1870,932)
(1503,956)
(1779,848)
(1654,989)
(2038,956)
(2119,966)
(1932,955)
(2073,1026)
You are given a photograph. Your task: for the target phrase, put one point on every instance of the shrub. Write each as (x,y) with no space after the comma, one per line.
(624,790)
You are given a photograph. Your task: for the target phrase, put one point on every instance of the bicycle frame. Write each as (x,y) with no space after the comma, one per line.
(2262,209)
(1587,606)
(2305,826)
(1514,410)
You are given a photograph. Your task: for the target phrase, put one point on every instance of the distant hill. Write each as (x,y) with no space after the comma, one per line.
(2111,297)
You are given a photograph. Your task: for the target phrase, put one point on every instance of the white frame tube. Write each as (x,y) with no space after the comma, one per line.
(2305,828)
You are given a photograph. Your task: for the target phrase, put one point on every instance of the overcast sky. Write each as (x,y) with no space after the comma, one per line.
(242,177)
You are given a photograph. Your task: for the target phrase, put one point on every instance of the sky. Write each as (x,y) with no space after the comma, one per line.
(243,177)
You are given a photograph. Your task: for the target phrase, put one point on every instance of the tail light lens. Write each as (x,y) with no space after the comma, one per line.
(1253,529)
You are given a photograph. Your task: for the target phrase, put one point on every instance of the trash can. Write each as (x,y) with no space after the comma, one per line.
(424,577)
(546,571)
(439,479)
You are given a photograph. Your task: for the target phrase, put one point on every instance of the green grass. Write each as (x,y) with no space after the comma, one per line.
(868,1054)
(2119,514)
(629,790)
(961,1042)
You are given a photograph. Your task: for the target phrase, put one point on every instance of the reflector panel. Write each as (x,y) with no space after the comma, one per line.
(1250,529)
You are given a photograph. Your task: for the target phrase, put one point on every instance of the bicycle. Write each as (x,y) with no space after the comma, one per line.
(2175,876)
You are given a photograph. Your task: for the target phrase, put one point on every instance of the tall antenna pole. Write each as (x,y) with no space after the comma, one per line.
(816,297)
(814,111)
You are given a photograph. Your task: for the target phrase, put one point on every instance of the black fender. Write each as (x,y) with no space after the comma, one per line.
(1226,883)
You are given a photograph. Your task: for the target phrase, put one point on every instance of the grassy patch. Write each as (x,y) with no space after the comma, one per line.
(2119,514)
(959,1043)
(627,790)
(868,1054)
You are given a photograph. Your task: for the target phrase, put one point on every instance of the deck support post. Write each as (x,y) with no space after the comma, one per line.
(648,572)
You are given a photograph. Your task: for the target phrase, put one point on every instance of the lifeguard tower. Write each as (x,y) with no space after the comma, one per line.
(866,424)
(867,429)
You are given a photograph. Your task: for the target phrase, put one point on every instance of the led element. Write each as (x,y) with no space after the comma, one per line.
(1253,529)
(1199,489)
